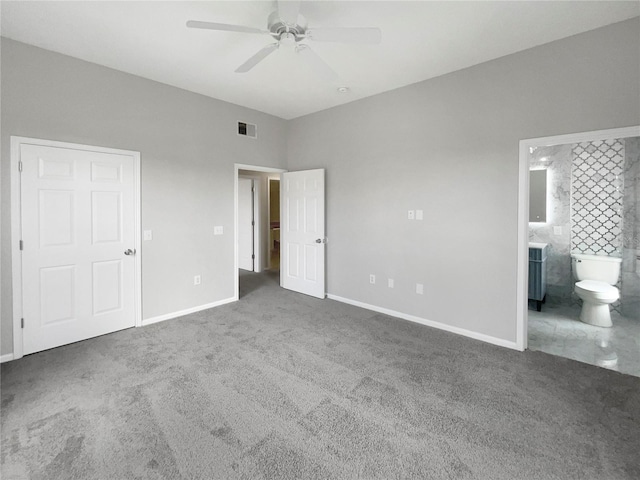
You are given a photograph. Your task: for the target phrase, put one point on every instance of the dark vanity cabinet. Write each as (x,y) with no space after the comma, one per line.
(538,273)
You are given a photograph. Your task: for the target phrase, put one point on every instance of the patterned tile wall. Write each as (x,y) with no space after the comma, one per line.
(596,197)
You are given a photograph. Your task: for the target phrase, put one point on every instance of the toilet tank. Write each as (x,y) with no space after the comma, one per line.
(596,267)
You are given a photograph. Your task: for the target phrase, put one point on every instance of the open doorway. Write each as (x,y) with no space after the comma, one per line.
(591,193)
(254,246)
(258,221)
(301,229)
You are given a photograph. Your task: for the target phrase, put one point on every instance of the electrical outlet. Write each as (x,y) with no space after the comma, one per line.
(390,283)
(419,288)
(218,230)
(557,230)
(411,214)
(197,280)
(148,235)
(372,279)
(419,215)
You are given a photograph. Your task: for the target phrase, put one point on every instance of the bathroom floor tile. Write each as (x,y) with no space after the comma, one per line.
(557,330)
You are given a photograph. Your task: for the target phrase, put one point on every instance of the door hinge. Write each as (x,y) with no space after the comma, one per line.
(253,257)
(253,223)
(22,323)
(19,165)
(21,245)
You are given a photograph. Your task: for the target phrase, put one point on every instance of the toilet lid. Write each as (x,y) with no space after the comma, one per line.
(596,287)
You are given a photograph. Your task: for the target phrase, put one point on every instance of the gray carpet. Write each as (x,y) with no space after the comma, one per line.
(285,386)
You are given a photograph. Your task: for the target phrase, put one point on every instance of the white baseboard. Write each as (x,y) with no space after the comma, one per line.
(7,357)
(181,313)
(429,323)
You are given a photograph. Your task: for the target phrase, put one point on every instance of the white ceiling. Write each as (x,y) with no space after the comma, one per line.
(420,40)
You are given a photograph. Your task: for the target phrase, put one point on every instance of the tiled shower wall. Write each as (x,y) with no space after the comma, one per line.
(596,197)
(630,288)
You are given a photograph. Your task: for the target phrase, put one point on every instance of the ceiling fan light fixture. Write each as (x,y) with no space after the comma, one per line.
(288,39)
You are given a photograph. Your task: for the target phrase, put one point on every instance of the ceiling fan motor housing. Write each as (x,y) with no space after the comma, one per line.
(279,29)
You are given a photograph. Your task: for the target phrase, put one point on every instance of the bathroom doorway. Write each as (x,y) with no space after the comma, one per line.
(605,167)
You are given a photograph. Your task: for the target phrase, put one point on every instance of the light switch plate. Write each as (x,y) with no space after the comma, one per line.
(418,214)
(390,282)
(557,230)
(419,288)
(148,235)
(218,230)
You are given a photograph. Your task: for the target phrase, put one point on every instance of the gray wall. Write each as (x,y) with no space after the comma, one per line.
(449,146)
(188,146)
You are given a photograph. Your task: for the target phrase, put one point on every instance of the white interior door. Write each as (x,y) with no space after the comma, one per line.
(302,232)
(78,219)
(245,224)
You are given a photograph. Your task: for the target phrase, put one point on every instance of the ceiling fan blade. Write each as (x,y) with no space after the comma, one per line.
(224,27)
(321,67)
(371,35)
(288,11)
(257,58)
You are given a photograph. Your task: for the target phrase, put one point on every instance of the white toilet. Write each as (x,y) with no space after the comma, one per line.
(596,275)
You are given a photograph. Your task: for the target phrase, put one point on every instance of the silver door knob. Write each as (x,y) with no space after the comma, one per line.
(129,252)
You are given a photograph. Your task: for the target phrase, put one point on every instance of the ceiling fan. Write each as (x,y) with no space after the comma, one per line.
(288,27)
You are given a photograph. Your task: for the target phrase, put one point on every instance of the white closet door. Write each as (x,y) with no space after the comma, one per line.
(78,222)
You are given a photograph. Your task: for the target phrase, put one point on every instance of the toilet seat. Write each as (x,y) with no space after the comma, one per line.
(597,290)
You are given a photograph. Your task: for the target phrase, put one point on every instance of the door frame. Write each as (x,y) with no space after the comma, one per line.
(522,280)
(237,168)
(16,228)
(269,219)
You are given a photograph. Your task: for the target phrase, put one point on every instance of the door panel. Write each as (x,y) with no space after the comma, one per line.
(311,260)
(56,215)
(77,214)
(302,232)
(104,172)
(57,294)
(56,168)
(293,257)
(106,215)
(107,286)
